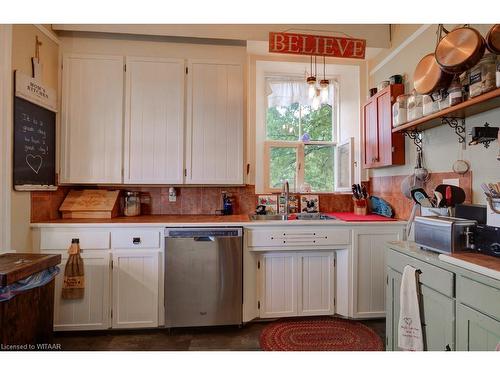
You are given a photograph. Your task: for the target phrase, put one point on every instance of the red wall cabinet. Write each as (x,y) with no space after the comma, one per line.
(382,148)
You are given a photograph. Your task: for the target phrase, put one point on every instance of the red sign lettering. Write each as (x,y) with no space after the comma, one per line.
(329,46)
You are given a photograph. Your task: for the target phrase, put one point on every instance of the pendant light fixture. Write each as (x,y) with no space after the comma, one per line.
(324,84)
(311,80)
(318,95)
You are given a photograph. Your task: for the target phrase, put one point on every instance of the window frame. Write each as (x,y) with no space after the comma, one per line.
(300,146)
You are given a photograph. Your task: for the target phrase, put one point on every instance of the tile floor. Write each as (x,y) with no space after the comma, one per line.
(206,338)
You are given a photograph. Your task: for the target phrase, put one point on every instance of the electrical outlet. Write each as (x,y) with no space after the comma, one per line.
(172,195)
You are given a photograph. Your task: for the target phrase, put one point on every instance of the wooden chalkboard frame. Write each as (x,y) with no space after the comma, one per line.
(20,181)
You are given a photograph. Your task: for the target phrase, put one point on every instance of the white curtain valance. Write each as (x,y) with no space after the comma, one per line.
(284,93)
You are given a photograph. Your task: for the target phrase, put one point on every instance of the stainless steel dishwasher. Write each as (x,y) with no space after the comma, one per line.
(203,276)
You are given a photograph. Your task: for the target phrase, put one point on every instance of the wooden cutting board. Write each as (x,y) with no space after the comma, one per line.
(17,266)
(90,204)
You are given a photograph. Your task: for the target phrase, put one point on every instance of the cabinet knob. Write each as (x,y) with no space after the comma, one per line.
(136,240)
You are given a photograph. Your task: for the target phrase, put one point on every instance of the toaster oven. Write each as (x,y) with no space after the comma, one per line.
(444,234)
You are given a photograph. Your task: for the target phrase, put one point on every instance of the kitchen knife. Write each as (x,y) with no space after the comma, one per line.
(355,191)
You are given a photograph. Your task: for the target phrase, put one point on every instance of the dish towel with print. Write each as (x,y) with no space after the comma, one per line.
(410,328)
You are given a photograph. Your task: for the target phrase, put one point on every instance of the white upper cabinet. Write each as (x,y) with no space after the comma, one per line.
(154,115)
(214,145)
(92,119)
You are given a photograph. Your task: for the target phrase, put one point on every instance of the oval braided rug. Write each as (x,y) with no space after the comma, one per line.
(319,334)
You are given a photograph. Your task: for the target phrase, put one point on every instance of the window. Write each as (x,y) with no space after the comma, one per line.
(300,139)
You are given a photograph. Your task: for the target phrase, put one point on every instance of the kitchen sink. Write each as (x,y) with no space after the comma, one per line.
(292,217)
(267,217)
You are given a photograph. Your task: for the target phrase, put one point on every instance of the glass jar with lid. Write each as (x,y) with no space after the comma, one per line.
(415,108)
(483,76)
(455,94)
(132,203)
(400,110)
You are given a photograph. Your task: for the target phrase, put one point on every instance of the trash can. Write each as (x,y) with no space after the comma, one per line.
(27,299)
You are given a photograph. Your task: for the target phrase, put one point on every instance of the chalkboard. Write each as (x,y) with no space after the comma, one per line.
(34,146)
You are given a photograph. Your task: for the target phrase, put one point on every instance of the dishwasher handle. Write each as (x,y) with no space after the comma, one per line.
(206,232)
(204,239)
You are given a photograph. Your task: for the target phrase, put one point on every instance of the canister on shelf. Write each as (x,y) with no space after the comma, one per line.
(415,108)
(400,110)
(498,71)
(429,105)
(455,93)
(482,76)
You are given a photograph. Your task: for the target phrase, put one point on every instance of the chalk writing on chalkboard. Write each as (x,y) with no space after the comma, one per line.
(34,145)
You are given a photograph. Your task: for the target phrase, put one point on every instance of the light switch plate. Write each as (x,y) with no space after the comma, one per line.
(451,181)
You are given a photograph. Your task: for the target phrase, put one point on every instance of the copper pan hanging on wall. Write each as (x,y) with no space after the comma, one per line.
(429,77)
(493,39)
(460,49)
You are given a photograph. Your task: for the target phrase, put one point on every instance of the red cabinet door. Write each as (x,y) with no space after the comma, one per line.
(382,147)
(371,134)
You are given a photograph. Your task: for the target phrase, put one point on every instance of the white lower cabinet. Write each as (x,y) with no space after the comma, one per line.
(278,285)
(123,278)
(316,283)
(296,284)
(93,311)
(368,270)
(135,288)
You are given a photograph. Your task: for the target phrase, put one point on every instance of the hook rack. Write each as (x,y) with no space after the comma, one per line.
(416,137)
(458,125)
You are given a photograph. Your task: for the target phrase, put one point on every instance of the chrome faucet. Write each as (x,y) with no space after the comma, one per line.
(285,191)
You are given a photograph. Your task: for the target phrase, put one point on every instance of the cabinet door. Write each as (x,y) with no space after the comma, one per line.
(370,124)
(154,112)
(93,311)
(278,285)
(384,129)
(316,284)
(476,331)
(369,280)
(214,153)
(392,309)
(438,320)
(437,317)
(92,119)
(135,288)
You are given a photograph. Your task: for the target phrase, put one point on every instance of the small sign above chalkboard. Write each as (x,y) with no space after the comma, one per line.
(34,144)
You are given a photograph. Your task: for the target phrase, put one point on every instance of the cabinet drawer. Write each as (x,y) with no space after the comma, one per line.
(479,296)
(54,240)
(298,237)
(431,276)
(135,239)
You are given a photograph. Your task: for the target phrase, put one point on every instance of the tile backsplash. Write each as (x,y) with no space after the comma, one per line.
(190,201)
(389,189)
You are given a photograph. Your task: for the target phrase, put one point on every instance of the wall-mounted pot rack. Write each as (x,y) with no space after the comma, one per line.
(452,116)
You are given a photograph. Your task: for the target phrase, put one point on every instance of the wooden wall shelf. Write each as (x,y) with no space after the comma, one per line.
(482,103)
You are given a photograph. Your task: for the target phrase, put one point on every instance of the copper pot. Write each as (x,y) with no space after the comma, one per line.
(493,39)
(429,77)
(460,50)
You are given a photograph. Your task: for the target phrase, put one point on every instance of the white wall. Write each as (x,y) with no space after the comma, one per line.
(440,145)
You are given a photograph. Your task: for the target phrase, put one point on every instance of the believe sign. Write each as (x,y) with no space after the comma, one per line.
(329,46)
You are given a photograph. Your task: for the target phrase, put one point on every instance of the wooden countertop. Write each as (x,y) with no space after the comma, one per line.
(156,219)
(17,266)
(483,264)
(193,220)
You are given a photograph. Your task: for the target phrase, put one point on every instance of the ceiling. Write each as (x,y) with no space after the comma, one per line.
(376,35)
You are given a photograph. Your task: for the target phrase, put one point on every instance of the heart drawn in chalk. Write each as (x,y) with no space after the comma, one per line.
(408,321)
(34,162)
